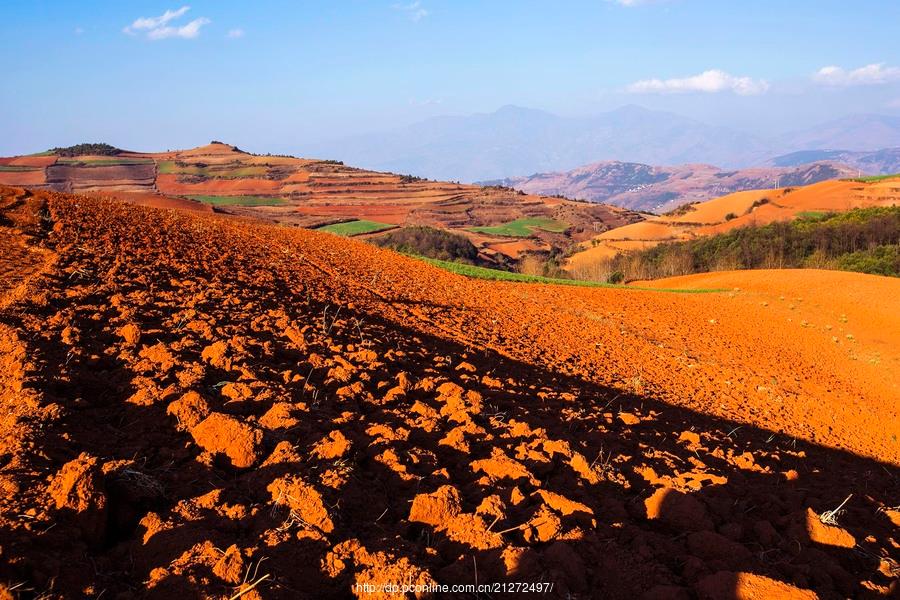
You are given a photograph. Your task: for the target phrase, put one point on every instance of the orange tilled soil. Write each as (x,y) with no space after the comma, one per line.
(194,406)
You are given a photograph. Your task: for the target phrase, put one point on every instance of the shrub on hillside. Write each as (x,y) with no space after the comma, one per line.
(87,149)
(430,242)
(881,260)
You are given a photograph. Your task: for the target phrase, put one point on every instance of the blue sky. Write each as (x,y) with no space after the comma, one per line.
(276,75)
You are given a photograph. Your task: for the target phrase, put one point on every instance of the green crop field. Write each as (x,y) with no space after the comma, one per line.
(811,214)
(17,168)
(874,178)
(239,200)
(523,227)
(497,275)
(358,227)
(169,167)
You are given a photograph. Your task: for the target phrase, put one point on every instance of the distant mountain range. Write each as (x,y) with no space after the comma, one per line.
(853,133)
(659,189)
(876,162)
(515,141)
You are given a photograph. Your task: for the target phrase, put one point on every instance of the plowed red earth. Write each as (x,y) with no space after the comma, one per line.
(195,406)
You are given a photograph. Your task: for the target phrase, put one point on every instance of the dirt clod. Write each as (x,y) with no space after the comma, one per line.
(224,434)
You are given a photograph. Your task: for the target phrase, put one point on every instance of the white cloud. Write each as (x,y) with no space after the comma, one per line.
(874,74)
(414,10)
(79,31)
(158,28)
(187,32)
(235,33)
(711,81)
(154,22)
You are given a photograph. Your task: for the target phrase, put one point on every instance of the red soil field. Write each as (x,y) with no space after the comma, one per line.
(514,248)
(155,200)
(198,406)
(75,177)
(30,161)
(169,184)
(22,177)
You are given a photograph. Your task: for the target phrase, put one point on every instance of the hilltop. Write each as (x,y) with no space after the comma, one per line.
(198,405)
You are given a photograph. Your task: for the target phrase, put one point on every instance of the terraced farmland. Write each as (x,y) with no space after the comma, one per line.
(314,193)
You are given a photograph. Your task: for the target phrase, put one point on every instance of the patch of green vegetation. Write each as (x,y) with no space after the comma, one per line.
(104,162)
(430,242)
(523,227)
(873,178)
(87,149)
(358,227)
(880,260)
(167,167)
(17,168)
(812,214)
(863,239)
(496,275)
(172,167)
(44,153)
(239,200)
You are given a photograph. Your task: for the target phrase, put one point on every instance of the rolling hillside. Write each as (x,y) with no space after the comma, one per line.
(756,207)
(316,193)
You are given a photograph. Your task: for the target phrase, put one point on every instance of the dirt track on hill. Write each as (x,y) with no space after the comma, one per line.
(195,405)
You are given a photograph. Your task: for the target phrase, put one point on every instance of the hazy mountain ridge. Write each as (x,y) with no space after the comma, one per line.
(856,133)
(514,140)
(876,162)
